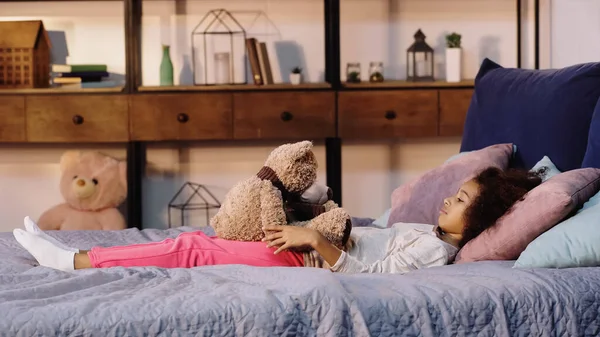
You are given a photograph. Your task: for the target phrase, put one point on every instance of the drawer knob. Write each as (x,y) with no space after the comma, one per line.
(77,120)
(286,116)
(389,115)
(182,118)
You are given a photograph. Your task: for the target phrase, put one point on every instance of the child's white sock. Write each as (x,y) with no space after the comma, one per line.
(45,252)
(33,228)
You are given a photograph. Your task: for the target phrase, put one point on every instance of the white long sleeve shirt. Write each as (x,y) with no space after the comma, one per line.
(397,249)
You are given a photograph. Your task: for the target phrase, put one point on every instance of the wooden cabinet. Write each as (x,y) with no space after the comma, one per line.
(12,119)
(281,115)
(284,115)
(454,104)
(77,118)
(189,116)
(388,114)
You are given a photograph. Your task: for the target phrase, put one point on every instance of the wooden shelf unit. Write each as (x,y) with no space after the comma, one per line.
(332,111)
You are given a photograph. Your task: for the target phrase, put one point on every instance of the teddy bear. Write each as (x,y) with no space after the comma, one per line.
(283,192)
(93,185)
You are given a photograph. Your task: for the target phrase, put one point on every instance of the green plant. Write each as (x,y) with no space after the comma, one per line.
(453,40)
(353,77)
(296,70)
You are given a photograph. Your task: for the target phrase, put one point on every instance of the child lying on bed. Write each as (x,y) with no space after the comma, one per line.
(398,249)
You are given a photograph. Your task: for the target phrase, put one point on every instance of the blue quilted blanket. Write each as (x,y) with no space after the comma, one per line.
(479,299)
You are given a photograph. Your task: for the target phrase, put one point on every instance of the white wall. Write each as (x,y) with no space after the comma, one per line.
(93,32)
(575,30)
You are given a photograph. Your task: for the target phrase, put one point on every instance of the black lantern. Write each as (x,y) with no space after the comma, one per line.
(419,60)
(219,50)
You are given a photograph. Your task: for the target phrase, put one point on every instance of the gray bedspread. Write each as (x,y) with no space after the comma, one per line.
(479,299)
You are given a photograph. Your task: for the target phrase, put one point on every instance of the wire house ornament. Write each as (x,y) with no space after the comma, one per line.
(218,41)
(200,198)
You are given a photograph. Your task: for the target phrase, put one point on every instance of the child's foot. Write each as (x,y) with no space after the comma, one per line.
(33,228)
(45,252)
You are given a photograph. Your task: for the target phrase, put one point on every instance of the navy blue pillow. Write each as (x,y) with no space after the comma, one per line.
(592,154)
(543,112)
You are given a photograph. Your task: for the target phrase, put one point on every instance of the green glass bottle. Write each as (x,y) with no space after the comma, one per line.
(166,67)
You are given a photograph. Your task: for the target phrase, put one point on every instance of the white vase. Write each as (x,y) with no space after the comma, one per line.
(453,64)
(295,78)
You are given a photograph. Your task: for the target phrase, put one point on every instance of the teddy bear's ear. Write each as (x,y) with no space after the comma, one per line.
(69,158)
(123,173)
(301,148)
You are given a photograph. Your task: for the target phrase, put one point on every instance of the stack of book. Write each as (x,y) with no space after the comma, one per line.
(81,76)
(260,64)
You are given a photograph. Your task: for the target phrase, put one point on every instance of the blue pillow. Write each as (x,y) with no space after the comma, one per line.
(543,112)
(551,169)
(574,242)
(592,153)
(382,220)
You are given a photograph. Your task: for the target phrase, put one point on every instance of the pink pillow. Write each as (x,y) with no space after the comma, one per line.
(541,209)
(420,200)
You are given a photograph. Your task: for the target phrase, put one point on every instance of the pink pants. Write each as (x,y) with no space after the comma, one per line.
(193,249)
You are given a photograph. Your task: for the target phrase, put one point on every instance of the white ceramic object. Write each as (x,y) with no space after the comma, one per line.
(295,78)
(453,64)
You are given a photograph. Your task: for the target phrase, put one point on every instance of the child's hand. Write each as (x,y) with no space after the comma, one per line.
(291,237)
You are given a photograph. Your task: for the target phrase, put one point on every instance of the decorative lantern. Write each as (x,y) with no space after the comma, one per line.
(219,50)
(419,60)
(192,197)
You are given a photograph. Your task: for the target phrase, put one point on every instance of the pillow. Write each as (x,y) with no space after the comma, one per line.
(541,209)
(420,200)
(382,221)
(592,152)
(543,112)
(551,169)
(460,154)
(574,242)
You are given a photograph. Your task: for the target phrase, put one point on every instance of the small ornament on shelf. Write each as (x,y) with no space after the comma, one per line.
(453,57)
(419,60)
(353,72)
(166,67)
(191,197)
(296,76)
(219,40)
(376,72)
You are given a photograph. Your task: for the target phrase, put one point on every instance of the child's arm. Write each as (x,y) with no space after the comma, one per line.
(295,237)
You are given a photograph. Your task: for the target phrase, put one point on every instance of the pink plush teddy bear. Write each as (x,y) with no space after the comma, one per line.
(93,185)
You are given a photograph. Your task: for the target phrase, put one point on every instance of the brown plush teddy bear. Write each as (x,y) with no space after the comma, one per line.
(283,192)
(93,185)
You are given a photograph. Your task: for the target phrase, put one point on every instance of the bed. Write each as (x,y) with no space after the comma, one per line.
(485,298)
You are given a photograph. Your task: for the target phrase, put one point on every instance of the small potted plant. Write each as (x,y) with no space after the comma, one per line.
(296,76)
(453,57)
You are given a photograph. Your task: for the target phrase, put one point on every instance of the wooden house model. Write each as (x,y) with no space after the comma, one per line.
(24,55)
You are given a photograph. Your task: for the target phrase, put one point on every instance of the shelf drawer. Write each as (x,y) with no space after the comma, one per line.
(77,118)
(12,119)
(454,104)
(198,116)
(284,115)
(388,114)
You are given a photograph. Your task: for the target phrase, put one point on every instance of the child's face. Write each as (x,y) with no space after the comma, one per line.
(451,219)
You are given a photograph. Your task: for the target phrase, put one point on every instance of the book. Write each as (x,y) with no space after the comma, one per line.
(69,68)
(265,63)
(83,74)
(253,59)
(64,80)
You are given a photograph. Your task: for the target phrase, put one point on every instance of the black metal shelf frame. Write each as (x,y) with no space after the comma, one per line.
(136,150)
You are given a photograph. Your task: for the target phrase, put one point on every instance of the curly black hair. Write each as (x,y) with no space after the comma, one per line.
(498,191)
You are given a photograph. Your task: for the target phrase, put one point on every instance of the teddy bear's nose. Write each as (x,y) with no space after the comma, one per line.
(81,182)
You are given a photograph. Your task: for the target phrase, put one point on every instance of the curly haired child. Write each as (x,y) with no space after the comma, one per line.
(476,206)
